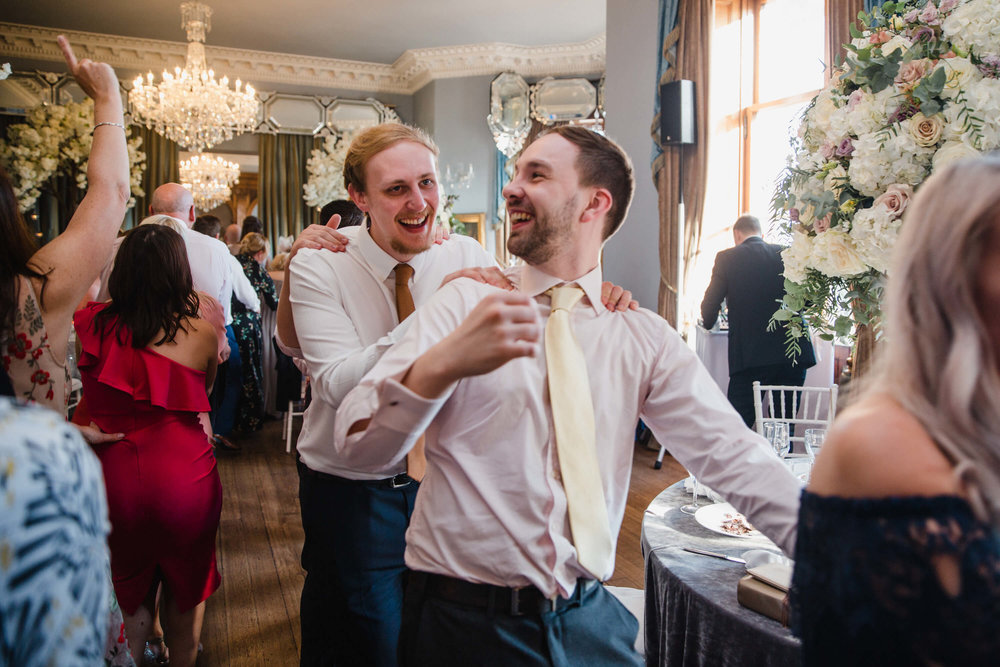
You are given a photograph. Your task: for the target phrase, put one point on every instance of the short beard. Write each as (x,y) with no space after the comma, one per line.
(547,233)
(404,249)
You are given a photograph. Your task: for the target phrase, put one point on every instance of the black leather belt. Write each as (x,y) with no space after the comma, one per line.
(400,481)
(499,599)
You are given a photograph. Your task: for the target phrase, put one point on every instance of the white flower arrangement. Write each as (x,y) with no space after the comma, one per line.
(56,139)
(326,171)
(920,88)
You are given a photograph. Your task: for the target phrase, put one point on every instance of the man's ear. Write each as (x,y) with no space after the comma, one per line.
(598,205)
(358,198)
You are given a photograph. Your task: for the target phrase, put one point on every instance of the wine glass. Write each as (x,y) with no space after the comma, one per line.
(693,506)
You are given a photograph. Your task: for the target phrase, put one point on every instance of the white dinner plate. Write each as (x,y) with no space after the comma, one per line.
(714,517)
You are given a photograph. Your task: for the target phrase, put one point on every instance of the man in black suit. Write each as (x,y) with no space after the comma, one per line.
(750,278)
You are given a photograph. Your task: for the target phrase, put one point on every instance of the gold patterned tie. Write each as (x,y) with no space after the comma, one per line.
(416,461)
(573,420)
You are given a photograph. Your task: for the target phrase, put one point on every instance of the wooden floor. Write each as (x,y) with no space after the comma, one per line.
(253,619)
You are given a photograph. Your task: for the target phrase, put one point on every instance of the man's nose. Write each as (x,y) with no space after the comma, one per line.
(415,202)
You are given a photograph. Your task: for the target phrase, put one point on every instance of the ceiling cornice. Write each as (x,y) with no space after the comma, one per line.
(411,71)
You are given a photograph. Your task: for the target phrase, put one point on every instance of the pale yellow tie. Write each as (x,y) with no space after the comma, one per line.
(416,460)
(573,420)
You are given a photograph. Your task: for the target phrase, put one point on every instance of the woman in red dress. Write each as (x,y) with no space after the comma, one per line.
(147,363)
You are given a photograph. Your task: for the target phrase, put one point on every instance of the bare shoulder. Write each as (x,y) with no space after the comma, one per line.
(877,449)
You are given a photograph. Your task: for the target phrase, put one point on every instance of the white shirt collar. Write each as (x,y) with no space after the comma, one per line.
(381,262)
(533,281)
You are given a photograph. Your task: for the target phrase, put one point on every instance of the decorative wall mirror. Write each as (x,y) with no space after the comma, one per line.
(554,100)
(509,118)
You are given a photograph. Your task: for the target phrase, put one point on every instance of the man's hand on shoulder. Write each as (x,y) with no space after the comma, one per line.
(441,234)
(502,327)
(490,275)
(615,297)
(320,237)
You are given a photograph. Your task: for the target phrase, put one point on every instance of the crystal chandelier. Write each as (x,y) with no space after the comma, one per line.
(190,106)
(209,178)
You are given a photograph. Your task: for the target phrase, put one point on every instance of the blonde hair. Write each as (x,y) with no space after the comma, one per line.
(279,262)
(373,141)
(165,221)
(252,244)
(939,361)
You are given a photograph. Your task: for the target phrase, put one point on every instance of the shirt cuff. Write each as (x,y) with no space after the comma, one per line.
(405,411)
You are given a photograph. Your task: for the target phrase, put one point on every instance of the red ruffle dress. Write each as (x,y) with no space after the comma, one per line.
(164,493)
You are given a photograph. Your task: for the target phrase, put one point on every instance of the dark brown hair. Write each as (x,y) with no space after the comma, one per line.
(16,249)
(150,287)
(601,163)
(251,225)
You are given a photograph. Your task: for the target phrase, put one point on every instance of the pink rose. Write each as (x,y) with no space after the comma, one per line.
(895,199)
(946,6)
(911,16)
(821,225)
(910,73)
(880,37)
(826,150)
(855,99)
(930,14)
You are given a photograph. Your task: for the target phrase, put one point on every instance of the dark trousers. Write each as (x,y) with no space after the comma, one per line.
(740,392)
(597,631)
(352,599)
(226,391)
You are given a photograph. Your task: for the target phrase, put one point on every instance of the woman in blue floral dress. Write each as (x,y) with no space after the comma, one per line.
(247,327)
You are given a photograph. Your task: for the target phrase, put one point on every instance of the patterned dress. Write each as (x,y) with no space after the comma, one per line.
(55,585)
(247,328)
(28,359)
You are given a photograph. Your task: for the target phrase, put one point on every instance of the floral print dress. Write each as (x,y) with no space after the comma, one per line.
(247,329)
(28,359)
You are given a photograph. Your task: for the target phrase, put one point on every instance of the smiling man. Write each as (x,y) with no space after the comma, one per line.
(525,490)
(345,309)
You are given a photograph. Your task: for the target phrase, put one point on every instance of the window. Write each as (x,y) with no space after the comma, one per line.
(767,63)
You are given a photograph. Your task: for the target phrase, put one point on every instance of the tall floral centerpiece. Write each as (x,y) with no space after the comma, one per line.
(55,140)
(919,89)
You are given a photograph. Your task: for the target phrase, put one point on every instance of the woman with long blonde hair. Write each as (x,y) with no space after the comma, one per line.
(898,555)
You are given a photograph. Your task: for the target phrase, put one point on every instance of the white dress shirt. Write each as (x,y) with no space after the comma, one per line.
(211,271)
(491,507)
(344,308)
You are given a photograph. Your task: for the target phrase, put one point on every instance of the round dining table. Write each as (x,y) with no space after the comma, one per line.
(692,615)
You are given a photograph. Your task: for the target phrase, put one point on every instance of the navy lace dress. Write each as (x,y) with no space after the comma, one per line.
(865,592)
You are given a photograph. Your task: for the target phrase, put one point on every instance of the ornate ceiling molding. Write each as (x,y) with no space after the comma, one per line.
(411,71)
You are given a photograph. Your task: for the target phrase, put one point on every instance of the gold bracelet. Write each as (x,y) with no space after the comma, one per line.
(121,125)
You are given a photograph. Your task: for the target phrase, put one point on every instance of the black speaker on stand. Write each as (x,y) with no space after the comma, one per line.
(677,128)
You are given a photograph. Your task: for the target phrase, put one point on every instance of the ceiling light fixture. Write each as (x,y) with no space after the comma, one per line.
(190,106)
(209,178)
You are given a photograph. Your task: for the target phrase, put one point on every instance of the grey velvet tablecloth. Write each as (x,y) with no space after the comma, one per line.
(692,616)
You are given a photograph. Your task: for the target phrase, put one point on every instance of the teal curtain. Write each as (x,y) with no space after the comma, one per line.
(282,174)
(162,166)
(872,4)
(666,60)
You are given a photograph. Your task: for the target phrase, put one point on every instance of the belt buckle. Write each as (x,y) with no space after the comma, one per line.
(400,481)
(515,602)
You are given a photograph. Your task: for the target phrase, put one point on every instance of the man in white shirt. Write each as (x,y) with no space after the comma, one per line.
(495,573)
(345,317)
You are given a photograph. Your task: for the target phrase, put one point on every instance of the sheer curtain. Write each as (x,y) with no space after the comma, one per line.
(282,174)
(685,50)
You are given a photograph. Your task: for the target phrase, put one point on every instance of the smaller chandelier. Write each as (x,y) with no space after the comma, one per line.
(190,106)
(209,178)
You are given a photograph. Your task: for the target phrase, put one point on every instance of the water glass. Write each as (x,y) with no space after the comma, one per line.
(776,433)
(814,440)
